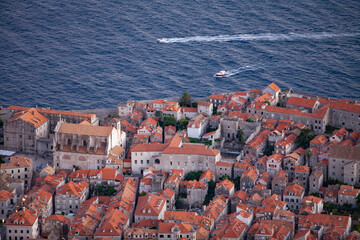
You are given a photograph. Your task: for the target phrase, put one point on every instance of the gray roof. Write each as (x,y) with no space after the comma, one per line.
(345,152)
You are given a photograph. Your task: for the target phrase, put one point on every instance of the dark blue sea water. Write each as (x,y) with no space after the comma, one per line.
(91,54)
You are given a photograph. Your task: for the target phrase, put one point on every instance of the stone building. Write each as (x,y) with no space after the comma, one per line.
(195,192)
(344,164)
(248,179)
(293,196)
(316,180)
(19,167)
(205,107)
(70,196)
(85,145)
(22,224)
(223,169)
(303,104)
(126,108)
(347,195)
(279,182)
(150,206)
(173,155)
(302,175)
(225,187)
(197,127)
(25,131)
(345,114)
(8,203)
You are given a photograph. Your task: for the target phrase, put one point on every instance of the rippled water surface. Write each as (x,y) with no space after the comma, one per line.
(90,54)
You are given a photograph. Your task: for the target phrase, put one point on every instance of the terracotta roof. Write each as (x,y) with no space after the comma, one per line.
(274,87)
(80,129)
(217,96)
(167,227)
(319,139)
(22,217)
(17,162)
(31,116)
(150,205)
(226,183)
(243,116)
(5,195)
(191,149)
(345,152)
(255,90)
(55,112)
(324,220)
(73,188)
(112,223)
(207,174)
(294,189)
(304,102)
(194,185)
(300,168)
(56,217)
(349,107)
(204,104)
(224,164)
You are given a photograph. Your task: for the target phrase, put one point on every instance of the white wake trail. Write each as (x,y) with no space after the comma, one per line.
(258,37)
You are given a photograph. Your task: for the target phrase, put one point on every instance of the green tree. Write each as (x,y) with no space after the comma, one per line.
(182,124)
(1,123)
(267,102)
(159,114)
(211,192)
(214,110)
(179,204)
(142,194)
(269,150)
(240,135)
(249,120)
(194,104)
(185,100)
(308,153)
(195,175)
(169,120)
(303,140)
(111,190)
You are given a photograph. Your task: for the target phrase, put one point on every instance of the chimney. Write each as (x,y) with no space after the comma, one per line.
(23,208)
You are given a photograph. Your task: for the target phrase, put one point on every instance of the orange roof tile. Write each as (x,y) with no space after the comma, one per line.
(80,129)
(22,217)
(55,112)
(304,102)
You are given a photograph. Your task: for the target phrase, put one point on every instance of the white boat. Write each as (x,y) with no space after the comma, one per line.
(222,73)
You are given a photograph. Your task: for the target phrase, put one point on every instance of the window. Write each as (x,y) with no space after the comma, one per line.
(135,161)
(147,161)
(141,161)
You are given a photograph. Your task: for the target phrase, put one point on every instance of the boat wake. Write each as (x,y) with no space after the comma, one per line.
(258,37)
(233,72)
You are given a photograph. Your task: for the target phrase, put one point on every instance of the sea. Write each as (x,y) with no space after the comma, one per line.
(95,54)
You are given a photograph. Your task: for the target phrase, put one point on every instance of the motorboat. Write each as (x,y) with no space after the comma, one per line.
(222,73)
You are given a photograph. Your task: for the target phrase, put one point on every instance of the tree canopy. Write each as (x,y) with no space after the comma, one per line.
(304,138)
(185,100)
(169,120)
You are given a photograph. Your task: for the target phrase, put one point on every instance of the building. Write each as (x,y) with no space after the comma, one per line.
(197,127)
(311,205)
(85,145)
(303,104)
(273,164)
(316,180)
(195,192)
(207,176)
(286,145)
(293,196)
(70,196)
(150,206)
(8,203)
(19,167)
(223,169)
(344,164)
(248,179)
(279,182)
(22,224)
(173,155)
(302,175)
(126,108)
(326,221)
(205,107)
(225,187)
(25,130)
(347,195)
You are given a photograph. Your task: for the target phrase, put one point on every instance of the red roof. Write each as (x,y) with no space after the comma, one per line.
(304,102)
